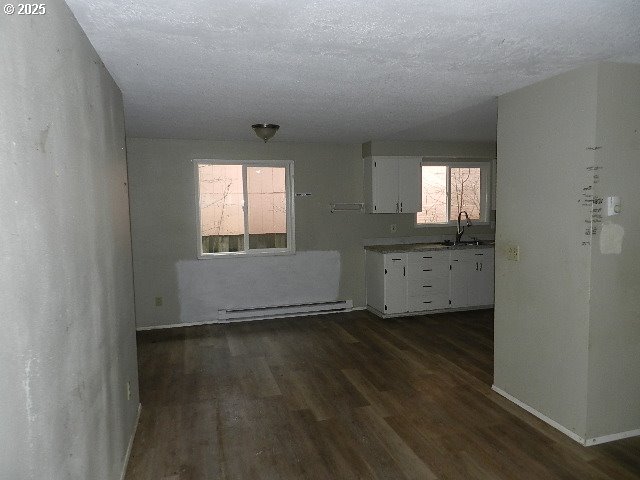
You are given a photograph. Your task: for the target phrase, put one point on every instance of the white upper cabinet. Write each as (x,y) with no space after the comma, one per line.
(393,184)
(410,184)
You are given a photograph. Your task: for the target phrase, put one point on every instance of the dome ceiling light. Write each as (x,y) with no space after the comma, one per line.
(265,130)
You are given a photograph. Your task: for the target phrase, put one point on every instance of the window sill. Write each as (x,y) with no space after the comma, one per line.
(254,253)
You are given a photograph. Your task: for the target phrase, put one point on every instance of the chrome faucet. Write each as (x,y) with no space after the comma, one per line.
(460,230)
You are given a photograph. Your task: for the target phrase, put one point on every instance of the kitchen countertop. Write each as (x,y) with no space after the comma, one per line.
(423,247)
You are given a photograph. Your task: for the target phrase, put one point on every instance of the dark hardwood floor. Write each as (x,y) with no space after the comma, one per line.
(345,396)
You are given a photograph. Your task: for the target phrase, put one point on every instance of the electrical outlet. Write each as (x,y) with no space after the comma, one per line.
(158,301)
(393,227)
(128,390)
(513,253)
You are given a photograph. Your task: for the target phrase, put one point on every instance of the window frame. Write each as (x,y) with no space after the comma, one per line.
(289,177)
(485,165)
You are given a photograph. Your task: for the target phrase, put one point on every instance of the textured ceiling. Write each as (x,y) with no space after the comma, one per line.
(343,71)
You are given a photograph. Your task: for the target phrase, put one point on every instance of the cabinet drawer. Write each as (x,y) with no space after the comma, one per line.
(472,255)
(427,270)
(438,268)
(480,254)
(427,259)
(395,260)
(436,301)
(429,286)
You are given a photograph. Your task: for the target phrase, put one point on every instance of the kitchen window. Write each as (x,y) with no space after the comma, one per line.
(244,208)
(449,188)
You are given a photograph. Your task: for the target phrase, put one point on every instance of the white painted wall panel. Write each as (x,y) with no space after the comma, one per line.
(329,245)
(67,346)
(542,301)
(206,286)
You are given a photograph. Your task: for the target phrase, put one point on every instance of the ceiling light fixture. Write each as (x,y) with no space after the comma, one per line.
(265,130)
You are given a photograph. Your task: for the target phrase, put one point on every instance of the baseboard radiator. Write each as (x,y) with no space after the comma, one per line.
(279,311)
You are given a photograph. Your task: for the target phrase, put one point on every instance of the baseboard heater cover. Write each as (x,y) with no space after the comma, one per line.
(230,314)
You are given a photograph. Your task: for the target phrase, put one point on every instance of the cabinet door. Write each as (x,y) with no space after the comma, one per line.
(395,283)
(384,179)
(374,279)
(462,269)
(482,284)
(410,184)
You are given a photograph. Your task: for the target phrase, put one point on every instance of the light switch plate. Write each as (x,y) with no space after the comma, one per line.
(513,253)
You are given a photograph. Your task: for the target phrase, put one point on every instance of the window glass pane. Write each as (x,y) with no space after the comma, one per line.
(434,195)
(465,192)
(221,208)
(266,188)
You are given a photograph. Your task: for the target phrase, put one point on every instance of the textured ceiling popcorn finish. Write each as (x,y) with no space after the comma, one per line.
(343,71)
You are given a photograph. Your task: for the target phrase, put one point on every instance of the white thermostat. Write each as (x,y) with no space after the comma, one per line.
(613,206)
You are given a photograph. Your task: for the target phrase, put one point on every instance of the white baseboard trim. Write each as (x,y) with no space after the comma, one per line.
(582,441)
(218,322)
(612,437)
(130,446)
(380,314)
(541,416)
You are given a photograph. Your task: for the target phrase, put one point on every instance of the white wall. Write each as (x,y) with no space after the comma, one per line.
(567,337)
(541,304)
(614,336)
(328,265)
(67,347)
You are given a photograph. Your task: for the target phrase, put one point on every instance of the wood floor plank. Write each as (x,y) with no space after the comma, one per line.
(384,403)
(345,396)
(406,460)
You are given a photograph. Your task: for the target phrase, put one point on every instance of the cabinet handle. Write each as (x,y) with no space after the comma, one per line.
(397,208)
(476,266)
(404,271)
(481,267)
(400,207)
(430,301)
(396,259)
(427,257)
(426,286)
(427,269)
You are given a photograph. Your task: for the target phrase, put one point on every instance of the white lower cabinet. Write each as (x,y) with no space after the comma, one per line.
(481,287)
(410,282)
(427,281)
(395,279)
(462,270)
